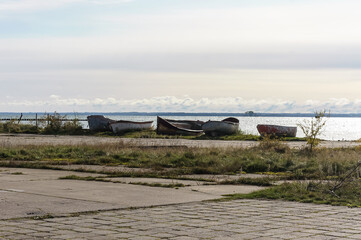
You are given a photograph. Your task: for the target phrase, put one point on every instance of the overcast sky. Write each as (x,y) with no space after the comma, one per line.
(180,55)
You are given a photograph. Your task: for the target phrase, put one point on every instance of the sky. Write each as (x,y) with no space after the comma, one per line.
(180,55)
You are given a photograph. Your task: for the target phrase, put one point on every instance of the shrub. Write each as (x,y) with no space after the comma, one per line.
(57,124)
(313,128)
(273,144)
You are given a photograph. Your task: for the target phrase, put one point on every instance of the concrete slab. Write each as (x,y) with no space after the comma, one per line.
(16,203)
(125,195)
(39,192)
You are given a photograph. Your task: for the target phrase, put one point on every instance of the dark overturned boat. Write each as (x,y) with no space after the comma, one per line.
(179,127)
(276,130)
(126,126)
(227,126)
(99,123)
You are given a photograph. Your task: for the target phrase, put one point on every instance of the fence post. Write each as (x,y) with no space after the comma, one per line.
(36,120)
(21,116)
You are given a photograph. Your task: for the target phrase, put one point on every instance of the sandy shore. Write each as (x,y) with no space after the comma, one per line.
(31,139)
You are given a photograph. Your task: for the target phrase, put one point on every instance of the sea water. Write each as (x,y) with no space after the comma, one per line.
(336,128)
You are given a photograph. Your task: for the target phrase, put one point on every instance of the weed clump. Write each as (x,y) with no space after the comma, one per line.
(312,192)
(13,127)
(269,143)
(58,124)
(313,129)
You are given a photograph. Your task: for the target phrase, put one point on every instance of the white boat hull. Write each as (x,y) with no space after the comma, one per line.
(219,128)
(124,126)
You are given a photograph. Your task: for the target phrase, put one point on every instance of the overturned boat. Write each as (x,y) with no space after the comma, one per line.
(227,126)
(99,123)
(126,126)
(276,130)
(179,127)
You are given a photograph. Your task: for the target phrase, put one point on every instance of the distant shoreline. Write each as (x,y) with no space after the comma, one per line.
(356,115)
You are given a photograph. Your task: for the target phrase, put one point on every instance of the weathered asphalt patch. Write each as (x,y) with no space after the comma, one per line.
(39,191)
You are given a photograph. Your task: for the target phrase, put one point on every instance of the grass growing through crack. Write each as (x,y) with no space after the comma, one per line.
(170,185)
(263,181)
(87,178)
(102,179)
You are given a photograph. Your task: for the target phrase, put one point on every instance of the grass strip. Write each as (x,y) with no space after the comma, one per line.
(170,185)
(350,195)
(262,181)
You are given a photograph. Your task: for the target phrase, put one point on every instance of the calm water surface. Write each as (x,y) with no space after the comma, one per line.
(337,128)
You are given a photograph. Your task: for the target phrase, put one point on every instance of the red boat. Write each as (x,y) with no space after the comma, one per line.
(275,130)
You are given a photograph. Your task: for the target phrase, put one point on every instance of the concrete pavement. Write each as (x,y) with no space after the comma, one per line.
(35,192)
(35,204)
(241,219)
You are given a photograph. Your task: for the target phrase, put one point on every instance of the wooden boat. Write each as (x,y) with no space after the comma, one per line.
(275,130)
(125,126)
(99,123)
(227,126)
(179,127)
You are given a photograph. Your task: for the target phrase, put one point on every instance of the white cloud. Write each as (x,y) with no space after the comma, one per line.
(143,55)
(20,5)
(299,23)
(297,52)
(31,5)
(108,2)
(182,104)
(294,85)
(299,36)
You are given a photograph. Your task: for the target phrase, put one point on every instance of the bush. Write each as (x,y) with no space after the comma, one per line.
(313,129)
(57,124)
(72,127)
(273,144)
(14,127)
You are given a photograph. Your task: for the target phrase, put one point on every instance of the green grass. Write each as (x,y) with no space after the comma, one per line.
(350,195)
(270,157)
(88,178)
(173,161)
(171,185)
(262,181)
(14,127)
